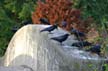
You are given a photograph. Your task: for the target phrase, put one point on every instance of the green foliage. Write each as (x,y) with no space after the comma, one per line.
(21,9)
(5,35)
(26,11)
(3,15)
(96,9)
(13,12)
(5,30)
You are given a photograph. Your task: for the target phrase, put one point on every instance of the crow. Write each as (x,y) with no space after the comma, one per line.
(26,22)
(79,35)
(64,23)
(44,21)
(95,49)
(61,38)
(49,29)
(14,29)
(82,44)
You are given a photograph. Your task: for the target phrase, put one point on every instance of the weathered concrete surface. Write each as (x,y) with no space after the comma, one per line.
(36,50)
(15,69)
(1,61)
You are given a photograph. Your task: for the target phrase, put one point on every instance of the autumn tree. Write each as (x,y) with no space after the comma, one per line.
(56,11)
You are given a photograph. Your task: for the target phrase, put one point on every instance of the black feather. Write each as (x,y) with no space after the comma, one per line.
(49,29)
(61,38)
(82,44)
(26,22)
(77,33)
(44,21)
(64,23)
(95,49)
(14,29)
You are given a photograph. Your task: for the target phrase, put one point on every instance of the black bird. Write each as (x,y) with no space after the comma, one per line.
(14,29)
(77,33)
(61,38)
(44,21)
(26,22)
(95,49)
(49,29)
(64,23)
(82,44)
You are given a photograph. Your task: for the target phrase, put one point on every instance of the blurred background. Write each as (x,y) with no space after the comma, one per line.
(93,14)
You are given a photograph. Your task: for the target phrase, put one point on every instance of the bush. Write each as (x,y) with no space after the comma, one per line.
(12,13)
(58,10)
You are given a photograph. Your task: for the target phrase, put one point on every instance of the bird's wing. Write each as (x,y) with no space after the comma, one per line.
(81,33)
(55,38)
(45,21)
(46,29)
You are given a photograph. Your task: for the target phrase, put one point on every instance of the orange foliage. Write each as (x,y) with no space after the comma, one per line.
(56,11)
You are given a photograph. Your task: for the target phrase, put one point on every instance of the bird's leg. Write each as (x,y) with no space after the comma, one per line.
(50,33)
(62,44)
(57,28)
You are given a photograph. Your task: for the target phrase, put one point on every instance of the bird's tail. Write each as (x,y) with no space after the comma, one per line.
(41,31)
(53,38)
